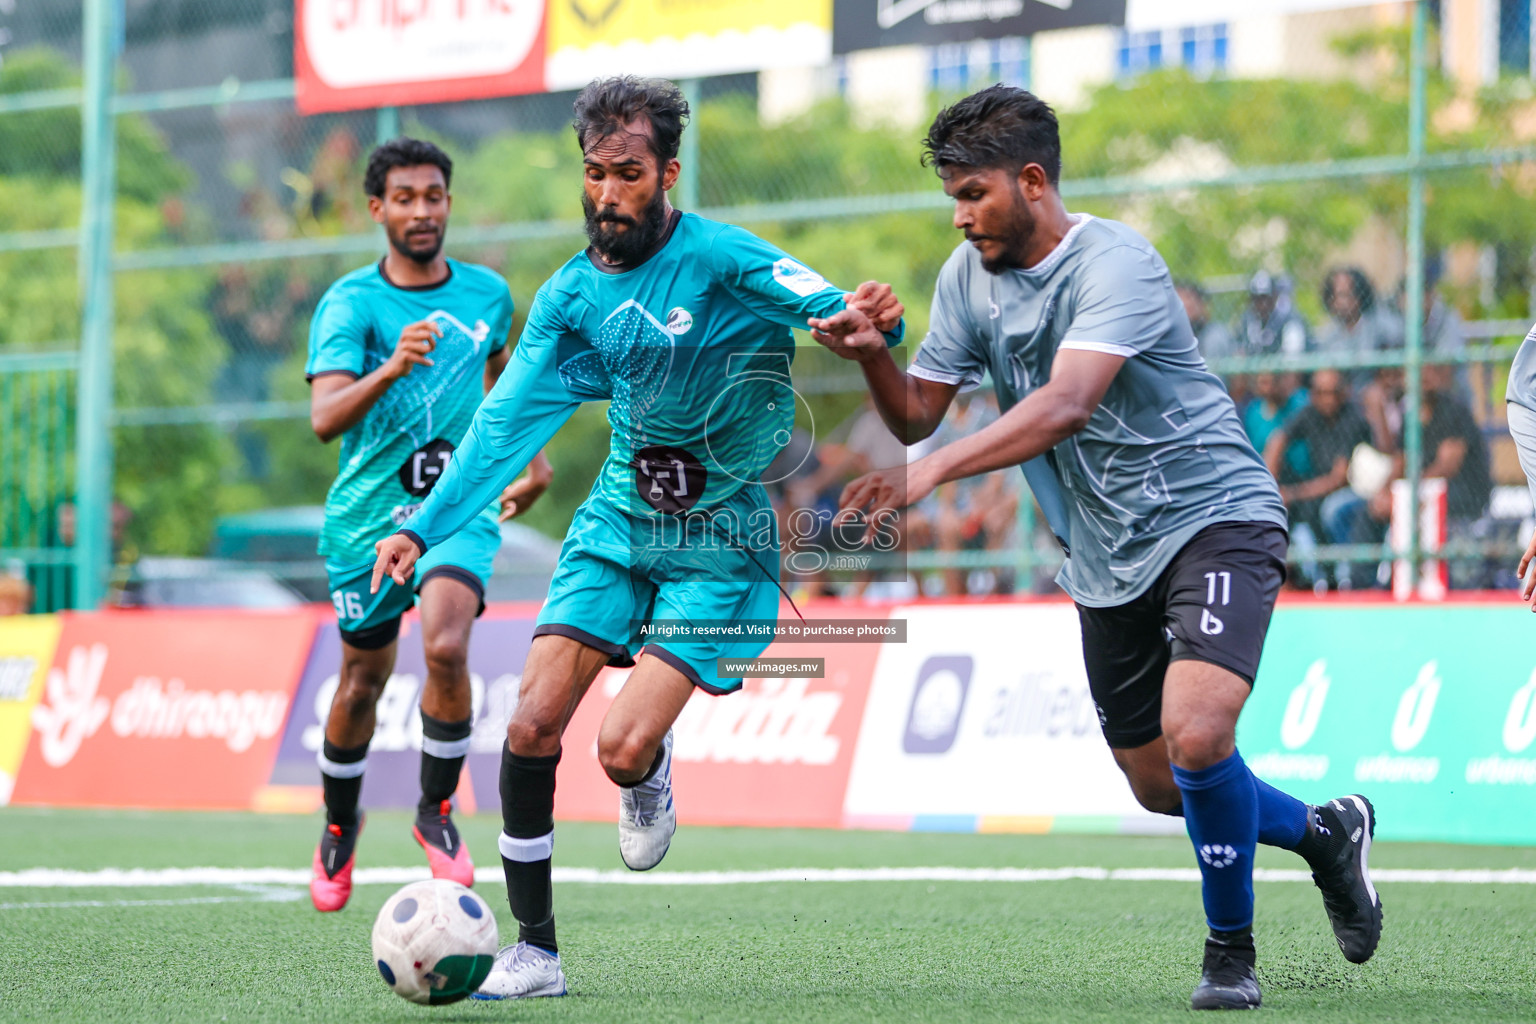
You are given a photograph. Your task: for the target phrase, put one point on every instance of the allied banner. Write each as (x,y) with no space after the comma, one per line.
(982,721)
(162,709)
(868,24)
(26,655)
(355,54)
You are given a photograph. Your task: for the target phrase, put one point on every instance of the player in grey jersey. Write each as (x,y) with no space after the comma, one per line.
(1174,529)
(1520,404)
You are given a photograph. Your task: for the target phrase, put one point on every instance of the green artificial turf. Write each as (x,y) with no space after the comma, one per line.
(855,951)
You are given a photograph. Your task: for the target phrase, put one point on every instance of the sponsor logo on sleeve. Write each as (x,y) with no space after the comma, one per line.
(799,278)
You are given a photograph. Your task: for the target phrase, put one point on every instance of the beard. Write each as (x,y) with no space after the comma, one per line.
(401,243)
(1015,233)
(620,238)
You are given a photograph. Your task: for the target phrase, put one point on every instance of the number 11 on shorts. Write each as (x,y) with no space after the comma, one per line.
(1210,625)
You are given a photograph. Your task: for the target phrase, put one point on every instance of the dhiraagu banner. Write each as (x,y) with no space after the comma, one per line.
(26,652)
(1429,711)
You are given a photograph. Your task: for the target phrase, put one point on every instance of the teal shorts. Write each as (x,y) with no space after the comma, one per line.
(370,621)
(619,572)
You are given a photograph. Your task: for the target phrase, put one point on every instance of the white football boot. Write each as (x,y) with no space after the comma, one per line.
(647,820)
(522,971)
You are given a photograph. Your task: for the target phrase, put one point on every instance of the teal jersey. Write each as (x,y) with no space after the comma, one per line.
(692,349)
(391,459)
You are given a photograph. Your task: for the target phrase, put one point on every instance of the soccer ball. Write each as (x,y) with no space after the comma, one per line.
(434,942)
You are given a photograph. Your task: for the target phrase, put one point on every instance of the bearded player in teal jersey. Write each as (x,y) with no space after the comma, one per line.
(683,324)
(400,355)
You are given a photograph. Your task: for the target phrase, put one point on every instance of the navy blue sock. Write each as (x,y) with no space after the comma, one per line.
(1282,818)
(1221,811)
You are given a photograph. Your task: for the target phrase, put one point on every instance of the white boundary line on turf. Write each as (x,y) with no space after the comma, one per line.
(118,878)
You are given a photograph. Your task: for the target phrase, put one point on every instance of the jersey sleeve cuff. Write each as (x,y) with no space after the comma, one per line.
(964,381)
(414,538)
(1109,348)
(897,335)
(337,372)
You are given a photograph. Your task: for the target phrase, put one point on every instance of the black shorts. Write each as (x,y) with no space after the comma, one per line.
(1211,604)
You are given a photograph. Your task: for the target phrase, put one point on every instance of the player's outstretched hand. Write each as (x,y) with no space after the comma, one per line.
(521,493)
(397,560)
(876,301)
(416,340)
(881,494)
(849,333)
(1528,588)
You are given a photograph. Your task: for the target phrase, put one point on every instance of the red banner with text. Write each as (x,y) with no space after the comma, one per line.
(163,709)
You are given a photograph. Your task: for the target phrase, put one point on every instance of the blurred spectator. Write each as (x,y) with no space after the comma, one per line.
(1214,339)
(15,596)
(1270,324)
(1320,437)
(256,319)
(869,445)
(1454,449)
(1444,334)
(977,513)
(1358,324)
(1276,398)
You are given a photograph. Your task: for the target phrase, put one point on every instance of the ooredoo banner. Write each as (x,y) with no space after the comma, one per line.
(497,650)
(776,753)
(162,709)
(354,54)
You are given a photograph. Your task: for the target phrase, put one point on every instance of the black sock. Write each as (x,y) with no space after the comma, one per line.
(1238,943)
(1324,837)
(341,779)
(527,844)
(443,746)
(661,754)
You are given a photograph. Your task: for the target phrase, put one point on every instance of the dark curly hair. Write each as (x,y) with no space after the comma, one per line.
(1364,293)
(1000,126)
(402,152)
(608,104)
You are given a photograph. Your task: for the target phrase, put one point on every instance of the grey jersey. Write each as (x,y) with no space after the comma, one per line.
(1522,374)
(1163,457)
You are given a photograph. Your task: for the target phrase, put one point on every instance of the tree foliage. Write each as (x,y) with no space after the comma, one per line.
(1159,129)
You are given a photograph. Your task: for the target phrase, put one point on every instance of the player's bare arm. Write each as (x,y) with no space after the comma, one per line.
(911,407)
(1046,418)
(338,403)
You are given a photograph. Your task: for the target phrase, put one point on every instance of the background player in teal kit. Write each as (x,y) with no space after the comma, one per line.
(684,325)
(1173,528)
(400,354)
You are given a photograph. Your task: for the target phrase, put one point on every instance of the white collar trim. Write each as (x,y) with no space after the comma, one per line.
(1056,255)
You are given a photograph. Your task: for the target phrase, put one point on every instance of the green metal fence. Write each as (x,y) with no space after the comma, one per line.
(176,215)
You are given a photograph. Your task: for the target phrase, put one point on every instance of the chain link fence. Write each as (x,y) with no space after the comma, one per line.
(1330,231)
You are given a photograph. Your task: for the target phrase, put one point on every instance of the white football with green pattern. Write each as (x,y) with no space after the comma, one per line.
(434,941)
